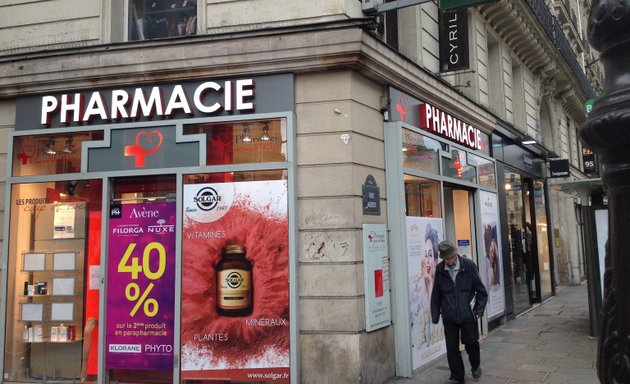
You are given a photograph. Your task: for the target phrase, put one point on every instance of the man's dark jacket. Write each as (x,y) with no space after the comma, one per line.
(453,299)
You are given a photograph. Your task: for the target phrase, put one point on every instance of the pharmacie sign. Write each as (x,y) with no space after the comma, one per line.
(207,97)
(443,124)
(410,110)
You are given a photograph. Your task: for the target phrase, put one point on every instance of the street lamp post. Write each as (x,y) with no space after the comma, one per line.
(607,132)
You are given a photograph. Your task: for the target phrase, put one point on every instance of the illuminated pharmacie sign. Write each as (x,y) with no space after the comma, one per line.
(441,123)
(235,95)
(150,102)
(407,109)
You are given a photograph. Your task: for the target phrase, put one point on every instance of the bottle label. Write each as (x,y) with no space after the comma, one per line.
(234,289)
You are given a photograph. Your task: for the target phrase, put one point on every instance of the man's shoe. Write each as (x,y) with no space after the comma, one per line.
(477,372)
(451,381)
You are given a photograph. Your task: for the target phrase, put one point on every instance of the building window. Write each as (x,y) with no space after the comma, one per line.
(242,142)
(420,152)
(50,154)
(154,19)
(458,166)
(422,197)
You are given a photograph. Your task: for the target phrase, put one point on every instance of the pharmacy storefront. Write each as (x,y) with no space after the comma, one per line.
(149,234)
(441,183)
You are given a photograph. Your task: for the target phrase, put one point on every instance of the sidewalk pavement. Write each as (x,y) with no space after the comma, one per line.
(549,344)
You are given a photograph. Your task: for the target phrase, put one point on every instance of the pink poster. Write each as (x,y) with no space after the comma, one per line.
(235,282)
(141,287)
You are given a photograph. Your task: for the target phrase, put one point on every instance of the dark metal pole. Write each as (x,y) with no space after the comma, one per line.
(607,131)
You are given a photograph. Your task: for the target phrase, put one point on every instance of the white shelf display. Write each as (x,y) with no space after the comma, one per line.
(63,286)
(64,261)
(34,262)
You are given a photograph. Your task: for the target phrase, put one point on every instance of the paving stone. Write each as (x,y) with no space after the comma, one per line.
(548,345)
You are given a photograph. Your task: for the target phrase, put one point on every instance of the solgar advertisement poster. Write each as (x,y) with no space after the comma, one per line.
(235,282)
(141,287)
(427,339)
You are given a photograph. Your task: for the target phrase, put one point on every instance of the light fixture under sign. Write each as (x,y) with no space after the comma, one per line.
(528,140)
(50,147)
(246,137)
(265,134)
(69,147)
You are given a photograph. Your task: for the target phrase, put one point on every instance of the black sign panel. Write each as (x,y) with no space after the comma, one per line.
(559,168)
(371,197)
(589,162)
(454,40)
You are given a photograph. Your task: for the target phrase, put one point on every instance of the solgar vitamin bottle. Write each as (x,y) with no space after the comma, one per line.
(234,282)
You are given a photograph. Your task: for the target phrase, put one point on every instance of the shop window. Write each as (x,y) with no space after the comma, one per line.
(252,141)
(420,152)
(53,281)
(485,170)
(50,154)
(235,279)
(154,19)
(422,197)
(458,166)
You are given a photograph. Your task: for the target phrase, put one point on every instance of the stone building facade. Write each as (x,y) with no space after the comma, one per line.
(343,62)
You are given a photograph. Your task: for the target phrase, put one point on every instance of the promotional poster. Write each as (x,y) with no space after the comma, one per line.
(141,287)
(427,339)
(489,210)
(235,282)
(378,313)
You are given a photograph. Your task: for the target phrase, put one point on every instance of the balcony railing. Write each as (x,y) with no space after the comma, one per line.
(554,31)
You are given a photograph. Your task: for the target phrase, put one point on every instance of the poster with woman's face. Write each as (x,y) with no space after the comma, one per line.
(492,264)
(427,339)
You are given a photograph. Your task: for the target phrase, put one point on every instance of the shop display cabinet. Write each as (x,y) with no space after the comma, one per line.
(52,303)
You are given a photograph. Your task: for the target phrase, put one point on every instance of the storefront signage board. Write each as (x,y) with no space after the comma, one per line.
(589,162)
(453,4)
(427,339)
(559,168)
(454,40)
(492,266)
(376,277)
(254,339)
(155,102)
(141,288)
(407,109)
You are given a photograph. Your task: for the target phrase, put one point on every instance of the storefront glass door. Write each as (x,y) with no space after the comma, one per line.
(542,239)
(140,297)
(458,211)
(522,251)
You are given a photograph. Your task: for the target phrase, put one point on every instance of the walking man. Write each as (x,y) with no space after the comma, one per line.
(460,296)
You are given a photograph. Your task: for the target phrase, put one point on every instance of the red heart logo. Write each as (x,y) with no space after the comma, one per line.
(146,144)
(149,141)
(29,150)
